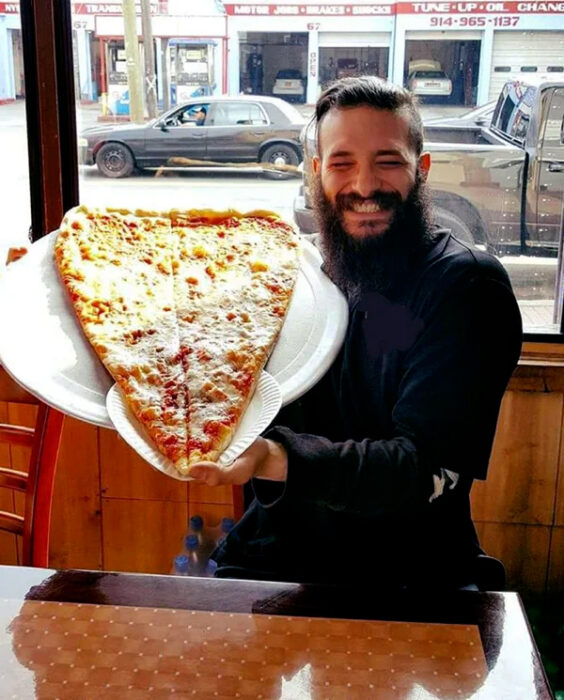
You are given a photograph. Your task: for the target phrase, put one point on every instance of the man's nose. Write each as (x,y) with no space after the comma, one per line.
(366,180)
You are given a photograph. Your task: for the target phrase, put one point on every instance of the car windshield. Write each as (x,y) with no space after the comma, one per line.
(429,74)
(288,75)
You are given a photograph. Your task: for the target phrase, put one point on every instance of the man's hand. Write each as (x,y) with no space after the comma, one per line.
(264,459)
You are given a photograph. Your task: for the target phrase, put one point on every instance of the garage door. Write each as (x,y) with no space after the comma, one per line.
(336,39)
(520,54)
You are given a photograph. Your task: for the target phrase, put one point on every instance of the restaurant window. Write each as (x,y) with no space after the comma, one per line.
(129,156)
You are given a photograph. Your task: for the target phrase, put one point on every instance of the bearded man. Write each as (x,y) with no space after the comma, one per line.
(369,474)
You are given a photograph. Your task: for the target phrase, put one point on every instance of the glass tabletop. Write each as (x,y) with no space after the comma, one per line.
(73,634)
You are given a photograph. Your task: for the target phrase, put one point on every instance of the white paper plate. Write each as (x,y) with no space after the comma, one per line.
(43,348)
(263,407)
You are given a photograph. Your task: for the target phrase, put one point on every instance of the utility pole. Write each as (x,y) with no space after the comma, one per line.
(132,61)
(165,57)
(149,50)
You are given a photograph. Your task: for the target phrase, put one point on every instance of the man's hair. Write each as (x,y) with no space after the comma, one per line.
(368,91)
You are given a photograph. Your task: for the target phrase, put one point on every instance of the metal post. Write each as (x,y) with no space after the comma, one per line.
(165,61)
(132,60)
(150,80)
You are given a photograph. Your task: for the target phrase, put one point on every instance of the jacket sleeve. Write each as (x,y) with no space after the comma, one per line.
(452,382)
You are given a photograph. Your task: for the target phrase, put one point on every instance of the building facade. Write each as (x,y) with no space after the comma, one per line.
(254,47)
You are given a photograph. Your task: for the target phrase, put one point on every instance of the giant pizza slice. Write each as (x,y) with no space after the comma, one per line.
(183,309)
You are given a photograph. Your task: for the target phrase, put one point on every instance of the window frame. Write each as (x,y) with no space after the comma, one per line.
(50,112)
(46,27)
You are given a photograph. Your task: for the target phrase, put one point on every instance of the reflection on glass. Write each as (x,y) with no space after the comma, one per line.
(14,177)
(507,180)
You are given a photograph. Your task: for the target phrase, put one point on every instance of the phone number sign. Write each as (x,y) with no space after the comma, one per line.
(512,7)
(472,21)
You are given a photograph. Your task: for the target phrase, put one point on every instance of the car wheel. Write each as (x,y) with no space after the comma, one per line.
(458,228)
(115,160)
(279,154)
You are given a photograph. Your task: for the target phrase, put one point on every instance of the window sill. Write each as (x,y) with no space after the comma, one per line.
(541,368)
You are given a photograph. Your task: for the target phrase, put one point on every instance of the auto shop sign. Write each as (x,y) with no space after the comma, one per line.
(419,8)
(328,10)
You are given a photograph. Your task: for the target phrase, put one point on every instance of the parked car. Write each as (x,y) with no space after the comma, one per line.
(498,186)
(426,78)
(289,84)
(243,129)
(430,83)
(479,116)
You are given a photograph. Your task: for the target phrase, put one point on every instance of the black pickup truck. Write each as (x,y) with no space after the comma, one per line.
(498,186)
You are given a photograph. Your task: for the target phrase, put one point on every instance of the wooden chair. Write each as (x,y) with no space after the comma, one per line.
(37,484)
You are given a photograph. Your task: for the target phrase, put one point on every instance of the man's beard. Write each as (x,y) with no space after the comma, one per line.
(375,262)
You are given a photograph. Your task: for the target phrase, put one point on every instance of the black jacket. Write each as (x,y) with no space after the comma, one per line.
(416,389)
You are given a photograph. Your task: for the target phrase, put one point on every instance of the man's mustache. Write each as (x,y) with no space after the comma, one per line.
(384,200)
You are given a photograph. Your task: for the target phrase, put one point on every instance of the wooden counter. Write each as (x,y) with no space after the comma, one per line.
(113,512)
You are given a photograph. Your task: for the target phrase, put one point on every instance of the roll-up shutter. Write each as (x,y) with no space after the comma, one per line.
(518,54)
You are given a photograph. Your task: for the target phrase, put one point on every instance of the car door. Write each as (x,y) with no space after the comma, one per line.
(178,135)
(550,174)
(236,131)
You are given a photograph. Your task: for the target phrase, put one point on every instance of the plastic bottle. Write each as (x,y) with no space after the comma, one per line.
(196,561)
(206,543)
(211,566)
(180,565)
(196,527)
(225,528)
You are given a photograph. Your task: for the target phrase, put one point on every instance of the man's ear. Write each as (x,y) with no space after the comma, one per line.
(424,164)
(316,164)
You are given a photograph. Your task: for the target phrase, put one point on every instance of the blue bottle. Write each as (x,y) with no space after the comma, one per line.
(194,555)
(206,542)
(196,527)
(180,565)
(225,528)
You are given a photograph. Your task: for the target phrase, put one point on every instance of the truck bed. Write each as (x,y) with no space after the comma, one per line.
(473,135)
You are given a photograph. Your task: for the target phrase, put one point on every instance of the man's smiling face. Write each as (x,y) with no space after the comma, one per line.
(367,166)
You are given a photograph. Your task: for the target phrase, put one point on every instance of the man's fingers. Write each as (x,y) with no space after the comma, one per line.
(237,473)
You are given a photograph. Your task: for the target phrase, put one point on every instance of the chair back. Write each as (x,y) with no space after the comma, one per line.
(37,482)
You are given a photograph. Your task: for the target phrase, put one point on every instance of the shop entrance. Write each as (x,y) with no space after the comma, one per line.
(459,60)
(17,54)
(118,90)
(191,69)
(341,61)
(273,63)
